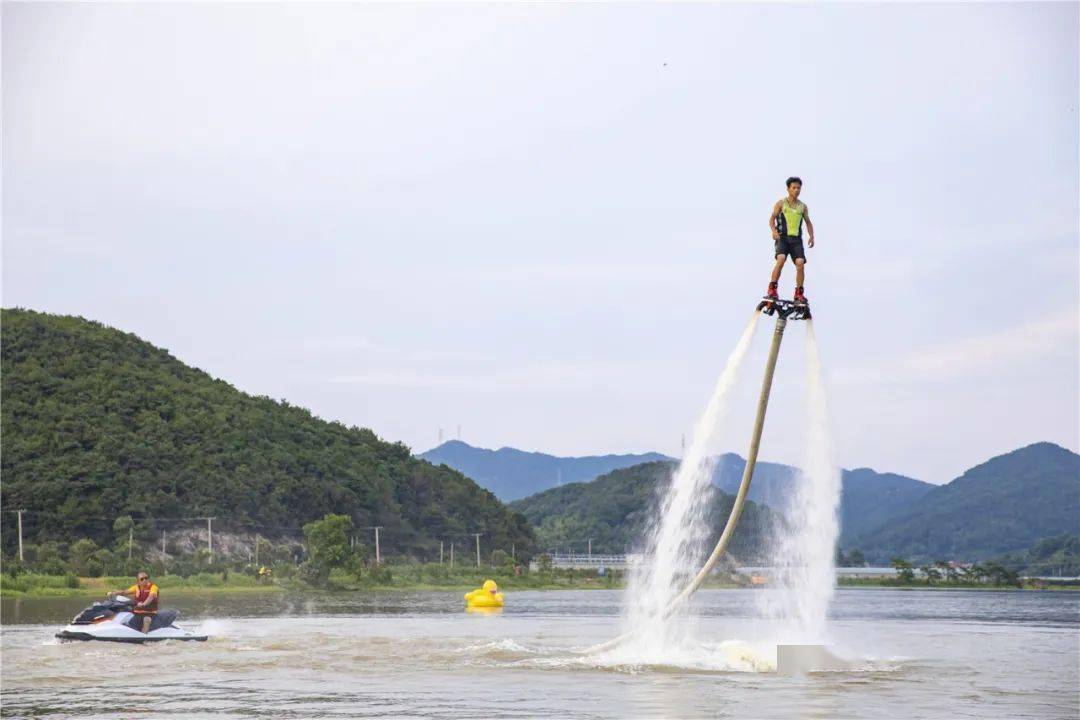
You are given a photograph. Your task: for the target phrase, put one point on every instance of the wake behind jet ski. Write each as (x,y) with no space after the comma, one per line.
(113,621)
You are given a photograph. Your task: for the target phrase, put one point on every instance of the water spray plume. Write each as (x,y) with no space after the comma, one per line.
(804,550)
(676,539)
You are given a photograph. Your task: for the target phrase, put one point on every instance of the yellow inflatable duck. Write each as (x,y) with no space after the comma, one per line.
(485,597)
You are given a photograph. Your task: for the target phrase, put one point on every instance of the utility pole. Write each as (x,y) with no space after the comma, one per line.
(378,555)
(131,540)
(20,512)
(163,544)
(451,555)
(210,536)
(513,554)
(256,551)
(440,552)
(590,548)
(477,535)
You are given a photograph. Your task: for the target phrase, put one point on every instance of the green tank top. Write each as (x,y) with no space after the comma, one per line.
(793,217)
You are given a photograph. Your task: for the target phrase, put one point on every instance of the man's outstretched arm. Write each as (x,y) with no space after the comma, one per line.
(772,221)
(809,225)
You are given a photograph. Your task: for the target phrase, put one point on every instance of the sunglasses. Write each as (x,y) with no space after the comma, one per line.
(142,578)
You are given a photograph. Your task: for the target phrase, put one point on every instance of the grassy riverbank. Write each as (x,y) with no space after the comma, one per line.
(407,578)
(944,585)
(471,581)
(433,576)
(390,577)
(34,584)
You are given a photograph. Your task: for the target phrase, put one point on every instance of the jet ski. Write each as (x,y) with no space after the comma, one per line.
(113,621)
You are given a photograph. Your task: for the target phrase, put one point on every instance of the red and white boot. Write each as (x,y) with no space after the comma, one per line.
(771,293)
(799,298)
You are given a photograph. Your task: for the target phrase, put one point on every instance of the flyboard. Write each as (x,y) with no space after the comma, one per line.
(791,659)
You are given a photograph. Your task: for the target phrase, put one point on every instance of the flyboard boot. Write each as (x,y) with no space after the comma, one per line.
(799,298)
(770,297)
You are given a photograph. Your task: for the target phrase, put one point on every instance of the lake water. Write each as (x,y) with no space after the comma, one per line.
(920,654)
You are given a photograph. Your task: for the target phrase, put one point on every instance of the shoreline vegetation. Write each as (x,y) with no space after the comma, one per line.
(419,578)
(390,577)
(333,561)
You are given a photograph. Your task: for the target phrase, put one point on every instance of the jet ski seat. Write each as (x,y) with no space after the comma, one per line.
(164,618)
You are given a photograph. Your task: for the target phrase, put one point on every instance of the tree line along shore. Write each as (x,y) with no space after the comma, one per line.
(328,559)
(334,561)
(423,577)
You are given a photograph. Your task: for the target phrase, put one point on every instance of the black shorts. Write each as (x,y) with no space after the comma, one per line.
(136,621)
(790,246)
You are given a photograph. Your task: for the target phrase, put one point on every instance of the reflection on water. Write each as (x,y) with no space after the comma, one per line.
(926,654)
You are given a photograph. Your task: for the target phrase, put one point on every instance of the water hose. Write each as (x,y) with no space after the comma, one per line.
(740,497)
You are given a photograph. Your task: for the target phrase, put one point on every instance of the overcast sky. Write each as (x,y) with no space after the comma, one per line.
(547,223)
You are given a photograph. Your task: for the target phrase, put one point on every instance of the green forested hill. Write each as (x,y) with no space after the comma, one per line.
(615,509)
(1050,557)
(868,498)
(1005,505)
(97,423)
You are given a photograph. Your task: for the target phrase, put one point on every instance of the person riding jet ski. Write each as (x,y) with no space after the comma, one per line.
(145,594)
(117,619)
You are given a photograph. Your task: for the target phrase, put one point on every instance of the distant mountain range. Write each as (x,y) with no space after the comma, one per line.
(869,497)
(1004,505)
(98,424)
(512,474)
(1007,504)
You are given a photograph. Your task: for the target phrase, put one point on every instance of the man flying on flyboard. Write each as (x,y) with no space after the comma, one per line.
(786,221)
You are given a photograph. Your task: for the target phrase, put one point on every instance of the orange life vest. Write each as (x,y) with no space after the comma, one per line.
(139,595)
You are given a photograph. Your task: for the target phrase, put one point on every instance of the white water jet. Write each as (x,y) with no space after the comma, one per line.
(803,552)
(675,542)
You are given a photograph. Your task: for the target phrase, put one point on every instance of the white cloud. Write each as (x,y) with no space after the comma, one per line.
(992,353)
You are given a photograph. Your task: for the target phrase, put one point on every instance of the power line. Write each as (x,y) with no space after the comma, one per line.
(228,521)
(233,525)
(155,520)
